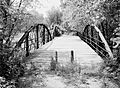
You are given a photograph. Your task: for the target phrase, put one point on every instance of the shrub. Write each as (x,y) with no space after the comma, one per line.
(11,66)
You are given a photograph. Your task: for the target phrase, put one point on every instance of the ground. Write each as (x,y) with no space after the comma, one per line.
(84,56)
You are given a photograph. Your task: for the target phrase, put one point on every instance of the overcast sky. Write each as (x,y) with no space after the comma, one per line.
(47,5)
(42,6)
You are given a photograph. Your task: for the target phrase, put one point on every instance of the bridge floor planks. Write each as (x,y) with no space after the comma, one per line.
(83,53)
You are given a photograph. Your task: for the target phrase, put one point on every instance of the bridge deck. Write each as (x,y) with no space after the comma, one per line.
(83,53)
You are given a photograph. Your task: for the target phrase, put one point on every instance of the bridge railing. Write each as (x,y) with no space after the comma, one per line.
(92,38)
(33,38)
(96,47)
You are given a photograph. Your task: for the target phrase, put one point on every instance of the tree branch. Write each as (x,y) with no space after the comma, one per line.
(20,3)
(12,2)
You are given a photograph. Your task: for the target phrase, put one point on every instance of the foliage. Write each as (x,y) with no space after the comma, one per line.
(13,18)
(11,67)
(78,13)
(110,25)
(54,16)
(109,28)
(32,18)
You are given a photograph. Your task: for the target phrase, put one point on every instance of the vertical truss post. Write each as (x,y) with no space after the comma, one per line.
(43,40)
(27,45)
(47,37)
(97,37)
(37,37)
(87,35)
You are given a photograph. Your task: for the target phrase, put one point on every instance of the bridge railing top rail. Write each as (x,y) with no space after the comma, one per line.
(33,38)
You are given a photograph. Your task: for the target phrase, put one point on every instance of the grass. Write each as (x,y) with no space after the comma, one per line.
(33,78)
(74,74)
(78,75)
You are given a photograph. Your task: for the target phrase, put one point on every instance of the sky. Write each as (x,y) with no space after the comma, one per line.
(46,5)
(42,6)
